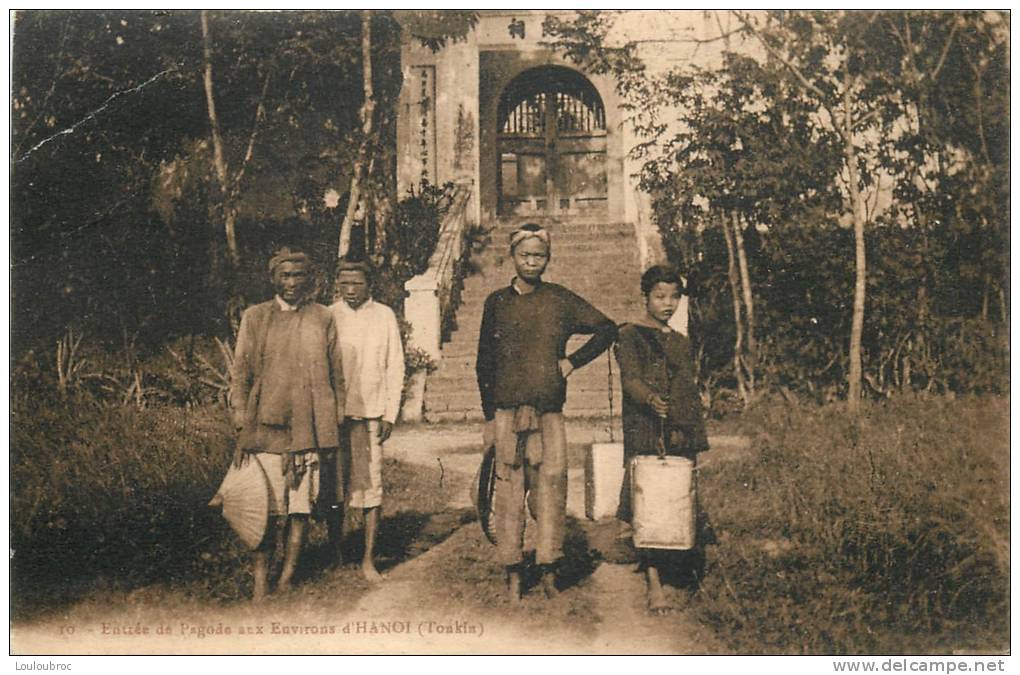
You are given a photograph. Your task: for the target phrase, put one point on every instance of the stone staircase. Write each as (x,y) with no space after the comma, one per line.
(596,259)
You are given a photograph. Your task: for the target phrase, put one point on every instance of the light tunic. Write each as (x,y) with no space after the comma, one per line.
(373,359)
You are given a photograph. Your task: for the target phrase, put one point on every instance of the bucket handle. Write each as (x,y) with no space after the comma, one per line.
(660,442)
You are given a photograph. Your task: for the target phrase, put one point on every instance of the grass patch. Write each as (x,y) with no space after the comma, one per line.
(885,536)
(110,499)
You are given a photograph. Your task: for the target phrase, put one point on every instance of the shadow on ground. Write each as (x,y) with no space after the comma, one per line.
(402,536)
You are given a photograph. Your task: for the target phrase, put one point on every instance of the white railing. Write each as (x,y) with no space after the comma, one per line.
(429,294)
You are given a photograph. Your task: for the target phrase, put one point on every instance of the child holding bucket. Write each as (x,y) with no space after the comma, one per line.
(661,405)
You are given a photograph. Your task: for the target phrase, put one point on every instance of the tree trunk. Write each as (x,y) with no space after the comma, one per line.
(367,110)
(219,162)
(738,322)
(860,261)
(751,355)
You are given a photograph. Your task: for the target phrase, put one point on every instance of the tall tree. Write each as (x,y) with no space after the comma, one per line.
(354,202)
(831,56)
(113,153)
(229,185)
(746,157)
(433,29)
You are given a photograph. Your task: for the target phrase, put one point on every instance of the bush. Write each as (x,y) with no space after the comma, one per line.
(891,536)
(924,331)
(411,240)
(113,498)
(111,491)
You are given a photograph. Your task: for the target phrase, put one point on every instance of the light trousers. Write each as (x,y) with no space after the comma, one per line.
(537,461)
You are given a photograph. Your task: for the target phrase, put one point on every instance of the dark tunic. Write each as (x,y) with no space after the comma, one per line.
(659,362)
(522,339)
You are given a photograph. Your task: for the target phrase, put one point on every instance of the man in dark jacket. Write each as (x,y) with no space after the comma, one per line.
(287,396)
(522,371)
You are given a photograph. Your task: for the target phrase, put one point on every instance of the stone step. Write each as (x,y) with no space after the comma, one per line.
(566,240)
(592,256)
(567,228)
(618,293)
(468,324)
(613,253)
(605,289)
(469,318)
(465,350)
(464,364)
(616,305)
(466,346)
(451,377)
(593,273)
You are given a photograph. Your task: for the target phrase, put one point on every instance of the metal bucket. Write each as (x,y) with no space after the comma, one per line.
(603,477)
(663,490)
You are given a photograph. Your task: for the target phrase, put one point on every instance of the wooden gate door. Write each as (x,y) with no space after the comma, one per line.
(551,144)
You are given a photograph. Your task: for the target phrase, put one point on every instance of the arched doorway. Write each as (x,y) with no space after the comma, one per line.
(551,144)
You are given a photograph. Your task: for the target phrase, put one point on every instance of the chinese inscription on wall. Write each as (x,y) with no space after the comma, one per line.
(516,29)
(423,133)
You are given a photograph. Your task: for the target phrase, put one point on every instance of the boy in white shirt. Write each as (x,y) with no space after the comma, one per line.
(373,361)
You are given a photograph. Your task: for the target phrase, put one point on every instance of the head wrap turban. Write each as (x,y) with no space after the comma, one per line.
(529,232)
(287,254)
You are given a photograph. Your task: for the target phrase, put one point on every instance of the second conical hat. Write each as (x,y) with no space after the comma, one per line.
(244,496)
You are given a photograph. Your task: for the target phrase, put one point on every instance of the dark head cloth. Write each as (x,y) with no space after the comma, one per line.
(287,254)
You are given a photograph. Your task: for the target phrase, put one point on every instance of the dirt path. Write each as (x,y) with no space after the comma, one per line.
(623,624)
(414,611)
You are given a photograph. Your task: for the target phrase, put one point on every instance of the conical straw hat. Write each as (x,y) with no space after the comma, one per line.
(244,496)
(483,494)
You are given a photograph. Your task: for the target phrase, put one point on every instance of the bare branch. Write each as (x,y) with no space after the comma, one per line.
(807,84)
(367,110)
(49,94)
(218,160)
(92,115)
(797,73)
(945,50)
(723,33)
(260,112)
(865,119)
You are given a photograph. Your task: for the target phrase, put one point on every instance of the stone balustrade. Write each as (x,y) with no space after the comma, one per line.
(429,294)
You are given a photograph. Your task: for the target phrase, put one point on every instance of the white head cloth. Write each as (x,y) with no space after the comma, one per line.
(520,235)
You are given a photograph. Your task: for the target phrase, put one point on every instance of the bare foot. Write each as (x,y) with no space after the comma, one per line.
(657,603)
(261,577)
(284,586)
(370,573)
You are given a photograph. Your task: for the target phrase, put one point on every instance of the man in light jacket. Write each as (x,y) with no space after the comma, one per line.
(373,361)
